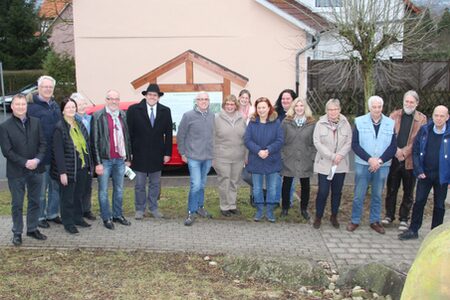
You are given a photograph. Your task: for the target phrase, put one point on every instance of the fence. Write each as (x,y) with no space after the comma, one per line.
(430,79)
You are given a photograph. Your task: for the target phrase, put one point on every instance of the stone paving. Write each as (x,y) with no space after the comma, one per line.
(284,240)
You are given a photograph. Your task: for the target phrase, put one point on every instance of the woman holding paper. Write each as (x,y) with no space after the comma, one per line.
(333,141)
(298,153)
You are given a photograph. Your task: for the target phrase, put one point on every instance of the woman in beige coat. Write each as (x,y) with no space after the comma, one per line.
(333,141)
(298,153)
(229,153)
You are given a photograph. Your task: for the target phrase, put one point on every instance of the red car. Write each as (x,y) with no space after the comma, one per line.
(175,160)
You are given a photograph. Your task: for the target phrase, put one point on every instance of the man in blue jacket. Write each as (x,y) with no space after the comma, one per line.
(374,144)
(431,159)
(44,107)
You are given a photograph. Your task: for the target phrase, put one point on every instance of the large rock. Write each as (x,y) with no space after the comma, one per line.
(429,276)
(374,277)
(293,274)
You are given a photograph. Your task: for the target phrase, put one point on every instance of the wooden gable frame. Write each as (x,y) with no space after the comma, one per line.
(189,58)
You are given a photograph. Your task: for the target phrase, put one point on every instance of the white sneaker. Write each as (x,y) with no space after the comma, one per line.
(386,221)
(403,226)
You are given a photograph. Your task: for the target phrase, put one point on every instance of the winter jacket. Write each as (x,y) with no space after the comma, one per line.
(20,143)
(195,136)
(262,136)
(419,151)
(65,159)
(100,145)
(49,114)
(149,144)
(229,138)
(298,150)
(419,120)
(329,143)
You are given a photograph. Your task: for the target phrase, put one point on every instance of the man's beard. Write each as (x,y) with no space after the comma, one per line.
(408,111)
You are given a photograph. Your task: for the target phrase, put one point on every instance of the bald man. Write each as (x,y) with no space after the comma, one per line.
(431,160)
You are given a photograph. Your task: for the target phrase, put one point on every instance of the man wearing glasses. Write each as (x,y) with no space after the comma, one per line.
(44,107)
(195,144)
(111,151)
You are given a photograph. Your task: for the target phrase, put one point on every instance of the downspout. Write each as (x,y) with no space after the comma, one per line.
(297,60)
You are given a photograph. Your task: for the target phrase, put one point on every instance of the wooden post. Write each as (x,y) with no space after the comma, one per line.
(226,87)
(189,72)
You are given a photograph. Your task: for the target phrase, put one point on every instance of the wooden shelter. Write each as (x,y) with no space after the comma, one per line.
(190,58)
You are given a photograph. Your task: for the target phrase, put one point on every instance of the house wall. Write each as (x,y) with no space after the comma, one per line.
(61,33)
(122,41)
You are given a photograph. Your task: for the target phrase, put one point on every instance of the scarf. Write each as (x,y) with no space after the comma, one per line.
(119,140)
(79,142)
(300,121)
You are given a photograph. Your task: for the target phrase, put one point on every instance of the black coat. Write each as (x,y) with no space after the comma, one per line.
(20,144)
(149,144)
(65,159)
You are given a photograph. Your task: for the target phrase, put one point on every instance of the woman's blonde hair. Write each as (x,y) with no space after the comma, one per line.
(290,115)
(230,98)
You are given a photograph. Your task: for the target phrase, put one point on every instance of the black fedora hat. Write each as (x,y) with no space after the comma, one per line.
(152,87)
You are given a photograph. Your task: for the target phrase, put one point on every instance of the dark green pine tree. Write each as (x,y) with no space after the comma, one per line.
(21,45)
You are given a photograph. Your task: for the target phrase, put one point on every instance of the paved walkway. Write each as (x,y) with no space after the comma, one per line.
(285,240)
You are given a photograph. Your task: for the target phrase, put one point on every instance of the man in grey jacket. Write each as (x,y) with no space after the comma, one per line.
(195,144)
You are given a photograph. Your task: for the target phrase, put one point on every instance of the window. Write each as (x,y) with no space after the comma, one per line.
(328,3)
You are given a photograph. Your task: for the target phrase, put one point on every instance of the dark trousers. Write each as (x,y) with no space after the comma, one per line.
(423,190)
(87,194)
(336,185)
(398,174)
(71,199)
(286,192)
(33,184)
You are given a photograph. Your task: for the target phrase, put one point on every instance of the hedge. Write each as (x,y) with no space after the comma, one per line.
(15,80)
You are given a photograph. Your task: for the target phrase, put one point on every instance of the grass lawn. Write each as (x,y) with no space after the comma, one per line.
(45,274)
(173,203)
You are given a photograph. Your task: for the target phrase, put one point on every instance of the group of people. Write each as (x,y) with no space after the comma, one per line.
(53,151)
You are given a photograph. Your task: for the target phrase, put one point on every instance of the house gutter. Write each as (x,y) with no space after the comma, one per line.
(297,60)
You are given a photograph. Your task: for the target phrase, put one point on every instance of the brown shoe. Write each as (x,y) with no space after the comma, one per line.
(351,227)
(334,221)
(377,227)
(317,223)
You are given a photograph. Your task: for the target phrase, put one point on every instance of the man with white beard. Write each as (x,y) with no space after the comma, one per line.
(407,124)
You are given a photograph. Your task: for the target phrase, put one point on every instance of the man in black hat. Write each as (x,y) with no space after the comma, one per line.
(150,128)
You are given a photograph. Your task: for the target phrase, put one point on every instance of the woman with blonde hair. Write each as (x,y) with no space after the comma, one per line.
(298,153)
(229,153)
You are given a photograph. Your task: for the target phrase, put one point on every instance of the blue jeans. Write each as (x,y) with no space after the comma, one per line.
(363,177)
(33,184)
(116,169)
(49,202)
(272,186)
(198,171)
(423,190)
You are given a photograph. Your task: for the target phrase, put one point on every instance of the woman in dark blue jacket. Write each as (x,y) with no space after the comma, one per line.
(71,165)
(264,139)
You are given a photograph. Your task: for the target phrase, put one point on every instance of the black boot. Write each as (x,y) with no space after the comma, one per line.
(284,212)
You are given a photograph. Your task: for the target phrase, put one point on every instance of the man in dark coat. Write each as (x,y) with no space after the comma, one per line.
(23,144)
(150,128)
(44,107)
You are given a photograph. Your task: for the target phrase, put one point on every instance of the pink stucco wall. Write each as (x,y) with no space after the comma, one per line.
(117,42)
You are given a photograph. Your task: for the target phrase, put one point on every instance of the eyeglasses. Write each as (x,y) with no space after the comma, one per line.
(202,99)
(113,99)
(47,87)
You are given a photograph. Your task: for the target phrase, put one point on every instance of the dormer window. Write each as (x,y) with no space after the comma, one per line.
(328,3)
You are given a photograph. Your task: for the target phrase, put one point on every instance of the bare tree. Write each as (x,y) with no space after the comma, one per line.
(368,31)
